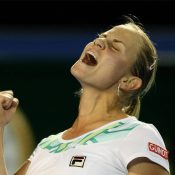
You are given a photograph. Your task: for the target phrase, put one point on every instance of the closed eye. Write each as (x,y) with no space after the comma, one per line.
(116,46)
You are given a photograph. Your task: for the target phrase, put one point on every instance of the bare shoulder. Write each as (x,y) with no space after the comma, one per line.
(23,169)
(143,166)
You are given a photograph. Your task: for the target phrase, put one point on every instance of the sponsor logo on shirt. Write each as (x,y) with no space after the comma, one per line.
(77,161)
(158,150)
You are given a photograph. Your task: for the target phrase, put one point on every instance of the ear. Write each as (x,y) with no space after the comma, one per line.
(130,83)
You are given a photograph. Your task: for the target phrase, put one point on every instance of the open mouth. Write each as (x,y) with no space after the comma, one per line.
(89,59)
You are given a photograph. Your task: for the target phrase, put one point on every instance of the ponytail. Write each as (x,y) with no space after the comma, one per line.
(134,108)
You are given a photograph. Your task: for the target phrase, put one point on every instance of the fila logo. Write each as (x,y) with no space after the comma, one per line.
(158,150)
(77,161)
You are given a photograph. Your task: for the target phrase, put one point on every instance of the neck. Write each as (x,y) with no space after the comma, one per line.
(98,106)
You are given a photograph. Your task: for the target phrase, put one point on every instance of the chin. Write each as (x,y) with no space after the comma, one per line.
(76,70)
(73,70)
(75,73)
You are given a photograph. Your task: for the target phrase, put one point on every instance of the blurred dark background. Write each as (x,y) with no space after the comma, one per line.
(40,40)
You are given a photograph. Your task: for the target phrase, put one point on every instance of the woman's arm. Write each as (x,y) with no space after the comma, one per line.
(8,106)
(143,166)
(2,161)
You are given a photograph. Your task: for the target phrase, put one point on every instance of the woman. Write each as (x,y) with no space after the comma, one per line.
(114,71)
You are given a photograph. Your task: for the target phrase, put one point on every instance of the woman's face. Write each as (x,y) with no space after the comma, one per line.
(108,58)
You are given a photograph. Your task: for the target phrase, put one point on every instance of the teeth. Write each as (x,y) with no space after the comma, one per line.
(91,53)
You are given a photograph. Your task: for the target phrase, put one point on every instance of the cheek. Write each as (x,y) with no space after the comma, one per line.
(115,70)
(118,66)
(109,75)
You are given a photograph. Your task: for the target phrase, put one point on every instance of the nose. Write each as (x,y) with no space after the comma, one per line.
(99,43)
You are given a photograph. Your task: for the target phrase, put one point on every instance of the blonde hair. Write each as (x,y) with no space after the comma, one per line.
(144,67)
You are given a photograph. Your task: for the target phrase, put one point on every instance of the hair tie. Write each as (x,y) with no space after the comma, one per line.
(151,67)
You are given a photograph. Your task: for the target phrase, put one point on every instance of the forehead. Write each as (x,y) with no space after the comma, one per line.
(123,32)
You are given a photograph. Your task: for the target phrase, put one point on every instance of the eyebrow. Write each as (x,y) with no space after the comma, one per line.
(115,40)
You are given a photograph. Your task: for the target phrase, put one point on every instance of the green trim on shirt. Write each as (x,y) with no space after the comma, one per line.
(110,132)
